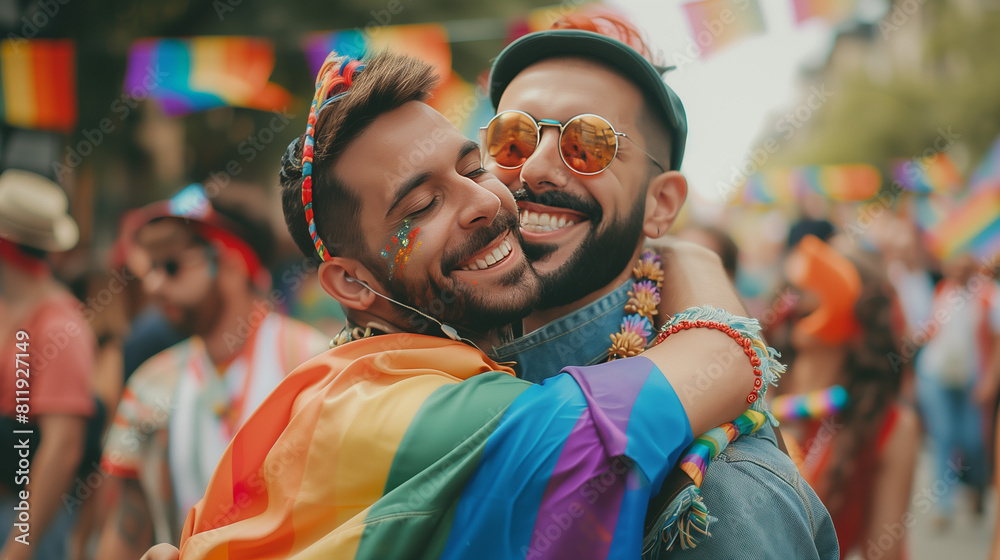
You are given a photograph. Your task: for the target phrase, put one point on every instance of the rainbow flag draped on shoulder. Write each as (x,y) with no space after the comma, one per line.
(409,446)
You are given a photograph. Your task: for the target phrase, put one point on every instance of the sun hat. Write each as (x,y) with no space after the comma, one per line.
(34,212)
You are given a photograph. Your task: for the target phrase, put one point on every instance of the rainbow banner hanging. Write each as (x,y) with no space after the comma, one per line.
(833,11)
(716,24)
(987,173)
(454,97)
(973,226)
(189,75)
(427,42)
(38,84)
(841,183)
(934,173)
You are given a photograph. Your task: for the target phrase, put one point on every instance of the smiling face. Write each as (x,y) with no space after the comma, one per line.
(581,231)
(439,232)
(181,276)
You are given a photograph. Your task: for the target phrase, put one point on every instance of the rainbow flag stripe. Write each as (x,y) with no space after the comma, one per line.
(842,183)
(935,173)
(974,226)
(716,24)
(831,10)
(987,173)
(453,97)
(927,211)
(38,84)
(428,42)
(190,75)
(402,446)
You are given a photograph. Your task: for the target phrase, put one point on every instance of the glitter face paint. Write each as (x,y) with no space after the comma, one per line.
(397,250)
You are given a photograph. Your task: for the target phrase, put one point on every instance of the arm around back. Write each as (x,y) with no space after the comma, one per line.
(706,368)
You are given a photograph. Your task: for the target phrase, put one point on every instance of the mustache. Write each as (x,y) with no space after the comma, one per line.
(561,199)
(506,221)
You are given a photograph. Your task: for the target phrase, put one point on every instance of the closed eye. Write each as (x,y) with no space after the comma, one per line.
(425,209)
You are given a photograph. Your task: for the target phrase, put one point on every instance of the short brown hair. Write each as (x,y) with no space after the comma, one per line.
(387,82)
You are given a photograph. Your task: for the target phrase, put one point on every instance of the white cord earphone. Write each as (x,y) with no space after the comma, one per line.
(448,330)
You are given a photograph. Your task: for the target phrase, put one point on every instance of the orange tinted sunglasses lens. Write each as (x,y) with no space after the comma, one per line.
(511,138)
(588,144)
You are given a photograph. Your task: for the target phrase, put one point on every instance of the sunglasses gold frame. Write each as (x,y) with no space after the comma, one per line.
(484,135)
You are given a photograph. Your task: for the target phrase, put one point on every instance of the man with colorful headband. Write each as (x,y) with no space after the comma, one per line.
(407,445)
(590,138)
(182,406)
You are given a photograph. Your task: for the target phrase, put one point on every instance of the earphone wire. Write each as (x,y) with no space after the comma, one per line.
(448,330)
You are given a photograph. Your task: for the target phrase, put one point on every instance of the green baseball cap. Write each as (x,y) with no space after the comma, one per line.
(538,46)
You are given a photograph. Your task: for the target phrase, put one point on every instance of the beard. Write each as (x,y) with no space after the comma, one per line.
(469,307)
(602,256)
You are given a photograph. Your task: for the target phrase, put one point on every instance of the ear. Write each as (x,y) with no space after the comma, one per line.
(333,276)
(664,199)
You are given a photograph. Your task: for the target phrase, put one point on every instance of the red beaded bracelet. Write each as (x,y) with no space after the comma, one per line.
(743,341)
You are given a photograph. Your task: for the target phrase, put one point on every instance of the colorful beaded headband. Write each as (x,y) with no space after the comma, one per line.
(332,82)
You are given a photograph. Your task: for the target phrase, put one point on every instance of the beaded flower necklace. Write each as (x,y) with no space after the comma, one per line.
(644,297)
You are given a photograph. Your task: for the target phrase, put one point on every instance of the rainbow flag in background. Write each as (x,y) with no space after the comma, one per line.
(771,186)
(844,183)
(973,226)
(427,42)
(841,183)
(454,97)
(405,446)
(833,11)
(927,211)
(189,75)
(935,173)
(987,173)
(38,83)
(718,23)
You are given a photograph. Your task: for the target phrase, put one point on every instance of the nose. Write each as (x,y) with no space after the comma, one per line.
(544,169)
(479,206)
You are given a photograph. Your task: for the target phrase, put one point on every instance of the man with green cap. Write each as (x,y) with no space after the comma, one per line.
(590,139)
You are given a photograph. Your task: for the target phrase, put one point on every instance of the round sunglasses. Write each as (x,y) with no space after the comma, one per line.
(173,265)
(587,143)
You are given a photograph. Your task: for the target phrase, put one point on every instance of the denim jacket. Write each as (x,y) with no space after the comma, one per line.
(765,509)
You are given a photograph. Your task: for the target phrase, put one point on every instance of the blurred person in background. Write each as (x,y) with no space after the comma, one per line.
(906,269)
(55,377)
(106,311)
(149,330)
(856,442)
(179,410)
(130,329)
(957,374)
